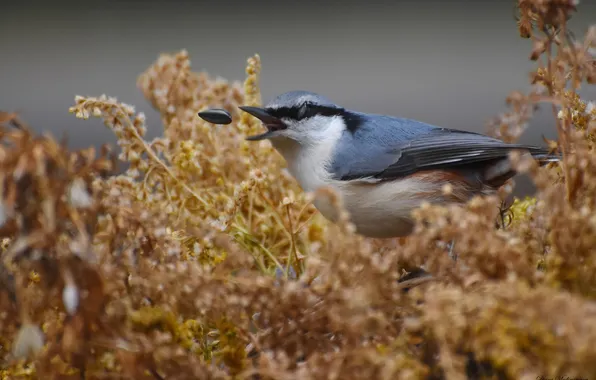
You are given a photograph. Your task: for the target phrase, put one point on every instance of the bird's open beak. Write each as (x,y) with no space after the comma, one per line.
(272,123)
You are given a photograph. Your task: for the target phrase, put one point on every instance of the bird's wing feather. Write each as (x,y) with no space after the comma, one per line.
(437,148)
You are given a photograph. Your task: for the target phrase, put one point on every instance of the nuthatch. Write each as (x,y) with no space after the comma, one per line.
(383,167)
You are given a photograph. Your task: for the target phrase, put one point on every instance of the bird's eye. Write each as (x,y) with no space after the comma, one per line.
(302,111)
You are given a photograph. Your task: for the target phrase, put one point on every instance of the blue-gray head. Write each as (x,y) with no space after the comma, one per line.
(299,116)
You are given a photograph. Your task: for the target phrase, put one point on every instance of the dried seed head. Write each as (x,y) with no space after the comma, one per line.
(29,341)
(70,293)
(447,189)
(78,196)
(70,298)
(538,49)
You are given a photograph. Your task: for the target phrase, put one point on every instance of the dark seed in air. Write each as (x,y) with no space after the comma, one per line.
(216,116)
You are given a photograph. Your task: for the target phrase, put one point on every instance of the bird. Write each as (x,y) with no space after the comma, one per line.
(383,167)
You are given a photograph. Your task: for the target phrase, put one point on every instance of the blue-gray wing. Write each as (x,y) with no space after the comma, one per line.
(426,149)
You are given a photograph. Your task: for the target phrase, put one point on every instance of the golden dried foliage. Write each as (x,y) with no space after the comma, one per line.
(204,259)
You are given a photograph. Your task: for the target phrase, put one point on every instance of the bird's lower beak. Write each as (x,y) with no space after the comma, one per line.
(272,123)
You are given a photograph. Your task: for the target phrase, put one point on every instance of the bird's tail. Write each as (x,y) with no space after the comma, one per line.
(499,172)
(544,156)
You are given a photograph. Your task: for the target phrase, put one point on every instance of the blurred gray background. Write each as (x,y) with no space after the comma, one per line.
(449,63)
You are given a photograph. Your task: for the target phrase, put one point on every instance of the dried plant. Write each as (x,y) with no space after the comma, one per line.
(195,264)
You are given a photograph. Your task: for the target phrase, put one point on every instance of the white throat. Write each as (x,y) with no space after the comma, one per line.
(309,150)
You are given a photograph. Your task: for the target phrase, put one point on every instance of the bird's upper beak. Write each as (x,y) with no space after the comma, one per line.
(272,123)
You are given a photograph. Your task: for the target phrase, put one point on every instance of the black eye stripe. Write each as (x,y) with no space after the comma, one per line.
(304,111)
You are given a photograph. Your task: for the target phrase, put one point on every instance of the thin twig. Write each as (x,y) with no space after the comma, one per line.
(561,130)
(292,247)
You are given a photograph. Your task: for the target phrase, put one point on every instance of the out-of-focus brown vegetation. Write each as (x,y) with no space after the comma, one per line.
(205,259)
